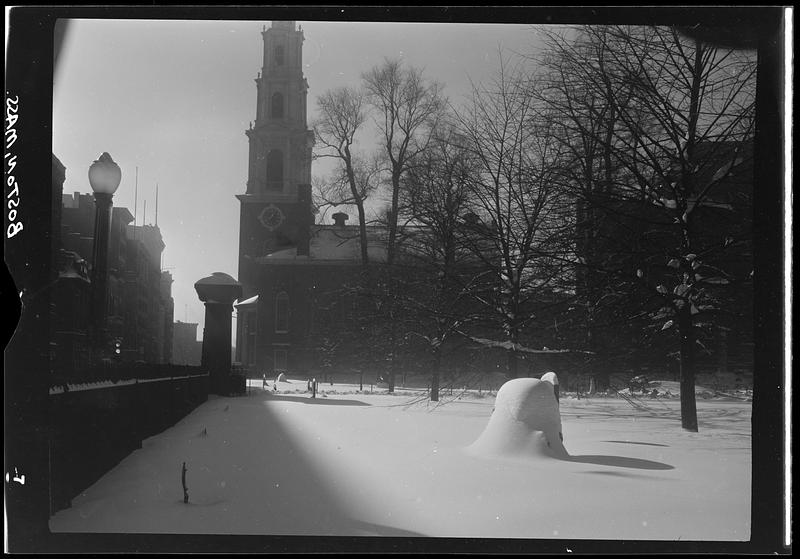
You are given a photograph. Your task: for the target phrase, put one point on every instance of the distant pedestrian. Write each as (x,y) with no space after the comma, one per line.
(264,381)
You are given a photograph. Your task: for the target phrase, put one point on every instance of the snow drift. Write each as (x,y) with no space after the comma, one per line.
(362,464)
(525,422)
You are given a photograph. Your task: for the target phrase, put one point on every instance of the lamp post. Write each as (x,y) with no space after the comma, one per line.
(104,177)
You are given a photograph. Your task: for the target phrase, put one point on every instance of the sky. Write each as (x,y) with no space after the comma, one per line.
(170,101)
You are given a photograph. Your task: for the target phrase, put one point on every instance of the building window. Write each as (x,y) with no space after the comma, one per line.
(275,170)
(280,360)
(277,105)
(282,312)
(279,55)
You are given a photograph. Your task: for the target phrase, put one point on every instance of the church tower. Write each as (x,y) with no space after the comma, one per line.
(276,207)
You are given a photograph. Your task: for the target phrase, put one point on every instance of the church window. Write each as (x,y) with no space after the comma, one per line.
(275,170)
(282,312)
(277,105)
(279,55)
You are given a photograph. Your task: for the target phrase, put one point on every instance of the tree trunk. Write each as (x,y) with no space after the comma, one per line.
(687,353)
(592,287)
(513,364)
(393,361)
(358,200)
(392,246)
(392,374)
(437,360)
(362,231)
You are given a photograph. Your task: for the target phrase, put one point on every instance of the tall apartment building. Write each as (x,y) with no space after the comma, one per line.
(140,304)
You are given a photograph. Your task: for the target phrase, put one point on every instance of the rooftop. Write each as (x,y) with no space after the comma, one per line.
(335,243)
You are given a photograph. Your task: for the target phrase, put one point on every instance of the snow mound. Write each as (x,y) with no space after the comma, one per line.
(525,422)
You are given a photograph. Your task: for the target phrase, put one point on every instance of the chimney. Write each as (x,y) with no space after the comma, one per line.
(306,219)
(339,218)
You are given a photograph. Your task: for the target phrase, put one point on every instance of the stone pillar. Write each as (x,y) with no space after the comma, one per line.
(218,291)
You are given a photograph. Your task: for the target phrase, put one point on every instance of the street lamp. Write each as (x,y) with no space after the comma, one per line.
(104,177)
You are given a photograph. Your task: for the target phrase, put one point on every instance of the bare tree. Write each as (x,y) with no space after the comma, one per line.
(520,237)
(587,126)
(435,199)
(407,108)
(676,118)
(341,115)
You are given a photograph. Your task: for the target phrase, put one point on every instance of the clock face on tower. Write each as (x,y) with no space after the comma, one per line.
(271,217)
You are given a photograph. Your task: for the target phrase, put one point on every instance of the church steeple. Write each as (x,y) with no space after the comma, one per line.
(275,211)
(280,142)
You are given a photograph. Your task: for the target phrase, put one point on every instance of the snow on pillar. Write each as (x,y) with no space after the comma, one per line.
(525,422)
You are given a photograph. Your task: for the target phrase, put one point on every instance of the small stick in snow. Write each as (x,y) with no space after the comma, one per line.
(183,481)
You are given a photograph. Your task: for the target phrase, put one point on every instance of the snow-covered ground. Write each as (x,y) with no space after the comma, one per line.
(350,463)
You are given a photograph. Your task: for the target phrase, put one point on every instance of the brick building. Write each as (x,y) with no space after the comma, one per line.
(140,307)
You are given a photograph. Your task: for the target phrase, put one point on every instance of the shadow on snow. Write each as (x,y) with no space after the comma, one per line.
(637,442)
(318,400)
(619,462)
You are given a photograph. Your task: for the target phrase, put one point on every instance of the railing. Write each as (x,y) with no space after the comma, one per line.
(92,429)
(120,372)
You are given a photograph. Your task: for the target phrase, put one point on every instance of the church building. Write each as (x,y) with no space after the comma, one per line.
(284,258)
